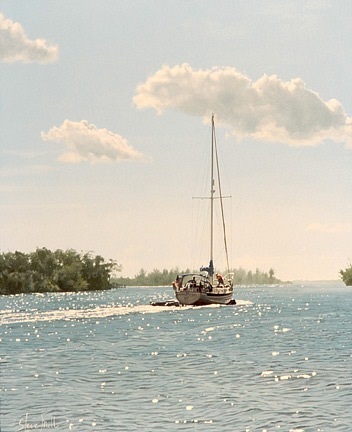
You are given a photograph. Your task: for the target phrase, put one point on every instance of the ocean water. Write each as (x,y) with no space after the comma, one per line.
(280,360)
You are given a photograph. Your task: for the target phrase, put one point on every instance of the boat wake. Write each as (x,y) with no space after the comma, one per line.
(13,317)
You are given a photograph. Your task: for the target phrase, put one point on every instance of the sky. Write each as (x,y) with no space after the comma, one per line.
(105,114)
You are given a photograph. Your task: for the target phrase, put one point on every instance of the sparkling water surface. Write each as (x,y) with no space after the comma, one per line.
(280,360)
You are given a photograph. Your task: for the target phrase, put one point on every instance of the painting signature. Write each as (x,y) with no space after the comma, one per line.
(26,423)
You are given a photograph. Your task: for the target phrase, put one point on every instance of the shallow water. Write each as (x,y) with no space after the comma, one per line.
(280,360)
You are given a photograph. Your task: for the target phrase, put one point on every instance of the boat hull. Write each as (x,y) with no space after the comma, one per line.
(188,297)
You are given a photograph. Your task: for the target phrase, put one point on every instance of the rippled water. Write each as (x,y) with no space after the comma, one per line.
(280,360)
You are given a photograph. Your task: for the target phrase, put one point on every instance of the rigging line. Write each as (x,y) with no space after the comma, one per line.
(212,190)
(221,203)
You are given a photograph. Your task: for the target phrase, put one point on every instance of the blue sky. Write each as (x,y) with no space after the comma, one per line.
(105,110)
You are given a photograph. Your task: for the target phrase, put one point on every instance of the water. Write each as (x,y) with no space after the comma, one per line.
(281,360)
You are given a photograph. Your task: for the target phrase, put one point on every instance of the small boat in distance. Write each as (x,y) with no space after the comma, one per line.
(207,286)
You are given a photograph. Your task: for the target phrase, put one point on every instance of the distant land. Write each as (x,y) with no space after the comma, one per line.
(165,277)
(61,271)
(317,281)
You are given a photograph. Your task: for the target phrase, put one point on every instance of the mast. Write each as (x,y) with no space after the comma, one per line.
(215,166)
(222,205)
(214,150)
(212,190)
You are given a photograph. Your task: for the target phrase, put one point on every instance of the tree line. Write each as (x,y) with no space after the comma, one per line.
(61,271)
(346,275)
(165,277)
(54,271)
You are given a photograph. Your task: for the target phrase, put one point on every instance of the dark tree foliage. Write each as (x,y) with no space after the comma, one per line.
(346,275)
(165,277)
(58,271)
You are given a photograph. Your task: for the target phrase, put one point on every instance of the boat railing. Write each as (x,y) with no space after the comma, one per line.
(229,277)
(228,281)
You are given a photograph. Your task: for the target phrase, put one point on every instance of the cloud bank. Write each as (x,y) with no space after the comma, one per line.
(16,47)
(85,142)
(268,109)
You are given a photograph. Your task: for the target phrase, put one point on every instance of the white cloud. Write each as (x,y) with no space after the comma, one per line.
(267,109)
(16,47)
(85,142)
(331,228)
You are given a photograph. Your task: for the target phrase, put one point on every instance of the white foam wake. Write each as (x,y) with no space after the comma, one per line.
(10,317)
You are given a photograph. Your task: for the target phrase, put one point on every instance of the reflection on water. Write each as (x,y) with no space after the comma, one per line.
(108,361)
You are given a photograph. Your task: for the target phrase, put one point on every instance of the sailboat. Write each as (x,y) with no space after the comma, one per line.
(207,286)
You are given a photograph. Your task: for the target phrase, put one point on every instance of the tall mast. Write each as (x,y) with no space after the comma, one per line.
(214,154)
(212,189)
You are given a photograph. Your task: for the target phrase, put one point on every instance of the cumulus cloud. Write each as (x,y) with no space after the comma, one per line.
(331,228)
(16,47)
(267,109)
(85,142)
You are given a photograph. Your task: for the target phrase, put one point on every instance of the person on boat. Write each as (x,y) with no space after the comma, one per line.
(176,283)
(219,279)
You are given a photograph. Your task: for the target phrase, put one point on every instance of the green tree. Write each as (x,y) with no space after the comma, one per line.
(346,275)
(44,270)
(271,274)
(70,277)
(15,275)
(96,271)
(240,276)
(165,277)
(141,278)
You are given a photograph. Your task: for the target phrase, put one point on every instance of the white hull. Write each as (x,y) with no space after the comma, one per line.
(189,296)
